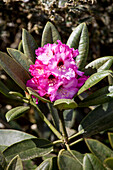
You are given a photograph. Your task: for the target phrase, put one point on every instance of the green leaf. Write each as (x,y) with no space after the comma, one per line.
(29,164)
(29,149)
(29,45)
(14,70)
(20,46)
(101,63)
(79,39)
(54,115)
(6,92)
(16,94)
(15,164)
(90,162)
(65,104)
(69,117)
(109,163)
(2,161)
(34,93)
(50,34)
(4,89)
(21,58)
(9,137)
(98,120)
(99,97)
(100,150)
(67,161)
(110,136)
(48,164)
(16,112)
(94,79)
(106,66)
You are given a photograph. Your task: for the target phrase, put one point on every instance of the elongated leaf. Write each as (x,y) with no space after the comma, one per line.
(79,39)
(66,161)
(20,47)
(15,164)
(90,162)
(21,58)
(99,62)
(109,163)
(16,94)
(65,104)
(34,93)
(9,137)
(98,120)
(4,89)
(14,70)
(106,66)
(6,92)
(110,136)
(29,45)
(99,97)
(100,150)
(54,115)
(50,34)
(94,79)
(48,164)
(16,112)
(98,93)
(29,149)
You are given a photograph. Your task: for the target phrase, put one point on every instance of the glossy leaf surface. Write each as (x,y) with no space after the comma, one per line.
(21,58)
(29,45)
(16,112)
(63,104)
(50,34)
(79,39)
(67,161)
(94,79)
(9,137)
(100,150)
(28,149)
(90,162)
(98,119)
(14,70)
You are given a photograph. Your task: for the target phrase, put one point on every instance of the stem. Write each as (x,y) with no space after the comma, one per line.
(73,143)
(57,142)
(68,148)
(62,126)
(79,133)
(42,116)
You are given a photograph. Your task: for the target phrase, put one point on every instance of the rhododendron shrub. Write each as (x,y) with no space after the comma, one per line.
(51,79)
(55,73)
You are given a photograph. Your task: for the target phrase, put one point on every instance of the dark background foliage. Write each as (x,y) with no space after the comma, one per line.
(65,15)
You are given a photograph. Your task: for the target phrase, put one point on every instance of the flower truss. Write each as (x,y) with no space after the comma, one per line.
(55,74)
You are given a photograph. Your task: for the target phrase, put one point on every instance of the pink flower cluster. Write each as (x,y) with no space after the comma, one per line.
(55,74)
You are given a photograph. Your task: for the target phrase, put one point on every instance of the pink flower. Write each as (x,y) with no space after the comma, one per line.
(55,74)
